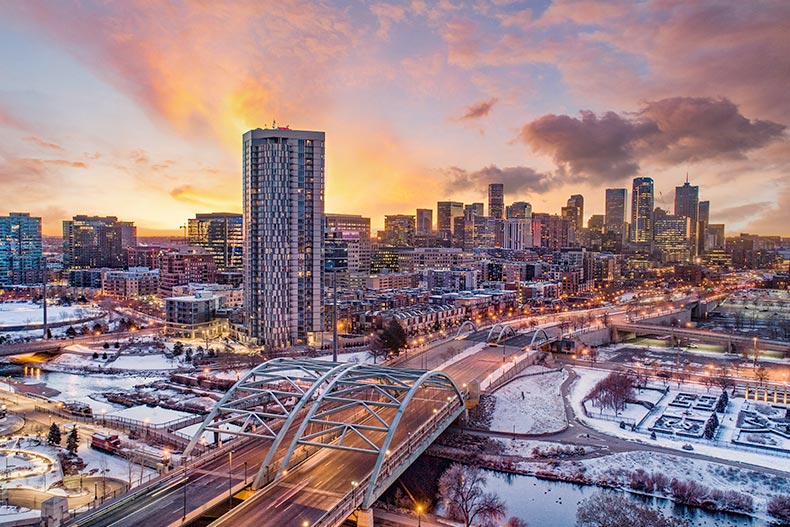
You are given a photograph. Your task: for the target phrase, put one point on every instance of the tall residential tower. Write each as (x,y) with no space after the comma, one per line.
(283,173)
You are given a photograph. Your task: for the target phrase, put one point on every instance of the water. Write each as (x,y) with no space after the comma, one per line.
(545,503)
(77,386)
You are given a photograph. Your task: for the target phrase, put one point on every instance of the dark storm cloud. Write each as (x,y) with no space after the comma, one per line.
(668,131)
(515,179)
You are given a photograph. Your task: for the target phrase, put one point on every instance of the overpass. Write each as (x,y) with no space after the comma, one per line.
(304,430)
(727,340)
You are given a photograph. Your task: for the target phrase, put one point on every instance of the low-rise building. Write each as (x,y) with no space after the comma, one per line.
(135,282)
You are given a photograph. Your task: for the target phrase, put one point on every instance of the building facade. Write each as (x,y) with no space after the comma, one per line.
(184,266)
(614,219)
(96,241)
(424,221)
(642,202)
(221,234)
(687,205)
(283,182)
(21,259)
(446,212)
(496,200)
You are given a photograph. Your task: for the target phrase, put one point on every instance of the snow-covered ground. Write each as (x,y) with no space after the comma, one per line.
(23,313)
(721,449)
(153,416)
(10,514)
(532,404)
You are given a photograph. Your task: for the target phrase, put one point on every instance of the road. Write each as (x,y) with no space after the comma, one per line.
(312,489)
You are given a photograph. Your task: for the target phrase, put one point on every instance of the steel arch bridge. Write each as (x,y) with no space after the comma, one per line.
(544,340)
(465,324)
(352,407)
(503,329)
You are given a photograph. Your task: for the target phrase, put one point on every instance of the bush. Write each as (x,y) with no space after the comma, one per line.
(688,492)
(106,345)
(721,404)
(779,507)
(95,354)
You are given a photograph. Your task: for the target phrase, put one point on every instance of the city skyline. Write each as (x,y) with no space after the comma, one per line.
(421,103)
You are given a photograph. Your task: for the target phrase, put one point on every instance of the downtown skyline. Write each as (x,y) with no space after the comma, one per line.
(137,111)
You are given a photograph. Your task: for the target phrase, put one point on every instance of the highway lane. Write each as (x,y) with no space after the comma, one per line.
(165,505)
(309,491)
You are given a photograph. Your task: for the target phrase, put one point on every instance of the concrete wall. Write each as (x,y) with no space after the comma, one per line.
(598,337)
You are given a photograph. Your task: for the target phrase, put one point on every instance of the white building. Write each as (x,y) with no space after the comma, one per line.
(517,234)
(283,235)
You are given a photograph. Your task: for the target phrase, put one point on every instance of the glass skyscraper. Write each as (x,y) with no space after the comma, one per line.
(642,200)
(283,182)
(221,234)
(20,249)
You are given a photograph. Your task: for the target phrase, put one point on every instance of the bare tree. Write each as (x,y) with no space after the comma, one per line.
(761,373)
(462,489)
(723,378)
(613,391)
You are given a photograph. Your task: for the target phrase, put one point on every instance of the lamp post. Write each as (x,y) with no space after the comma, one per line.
(754,341)
(230,479)
(419,515)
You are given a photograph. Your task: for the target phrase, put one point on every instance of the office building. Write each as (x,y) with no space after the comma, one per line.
(221,234)
(96,241)
(283,189)
(552,232)
(614,219)
(519,210)
(672,234)
(399,230)
(473,209)
(703,219)
(446,212)
(642,202)
(347,242)
(21,260)
(496,200)
(424,221)
(715,236)
(596,223)
(574,210)
(687,205)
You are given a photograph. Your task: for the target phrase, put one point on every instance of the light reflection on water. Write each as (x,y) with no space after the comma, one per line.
(554,503)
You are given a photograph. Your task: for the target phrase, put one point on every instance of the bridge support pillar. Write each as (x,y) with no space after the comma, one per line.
(365,518)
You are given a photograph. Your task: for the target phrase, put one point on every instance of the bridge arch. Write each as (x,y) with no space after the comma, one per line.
(535,335)
(383,395)
(506,329)
(272,393)
(465,324)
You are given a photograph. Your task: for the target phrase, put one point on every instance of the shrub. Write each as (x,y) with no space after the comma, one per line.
(779,507)
(106,345)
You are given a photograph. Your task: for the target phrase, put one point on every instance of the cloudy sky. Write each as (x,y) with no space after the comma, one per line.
(136,108)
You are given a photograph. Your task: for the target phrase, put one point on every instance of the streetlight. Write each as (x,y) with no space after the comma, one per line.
(754,341)
(230,479)
(419,515)
(354,485)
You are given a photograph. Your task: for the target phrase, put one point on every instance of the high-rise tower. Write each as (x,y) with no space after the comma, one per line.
(687,205)
(283,172)
(642,200)
(614,221)
(496,200)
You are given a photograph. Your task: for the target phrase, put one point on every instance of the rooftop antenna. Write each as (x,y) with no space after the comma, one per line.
(687,178)
(274,124)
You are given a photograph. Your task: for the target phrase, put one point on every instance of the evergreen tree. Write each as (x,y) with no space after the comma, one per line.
(53,437)
(73,441)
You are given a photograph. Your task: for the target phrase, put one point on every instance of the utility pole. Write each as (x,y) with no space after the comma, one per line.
(44,294)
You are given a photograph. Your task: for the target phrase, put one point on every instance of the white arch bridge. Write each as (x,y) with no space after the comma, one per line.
(369,422)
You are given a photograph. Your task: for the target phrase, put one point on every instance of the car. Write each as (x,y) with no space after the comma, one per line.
(687,447)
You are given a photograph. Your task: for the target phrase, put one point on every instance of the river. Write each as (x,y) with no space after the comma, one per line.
(78,386)
(545,503)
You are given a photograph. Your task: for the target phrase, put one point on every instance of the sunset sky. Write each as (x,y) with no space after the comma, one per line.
(136,108)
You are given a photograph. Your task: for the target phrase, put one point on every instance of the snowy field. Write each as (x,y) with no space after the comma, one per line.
(23,313)
(532,404)
(720,449)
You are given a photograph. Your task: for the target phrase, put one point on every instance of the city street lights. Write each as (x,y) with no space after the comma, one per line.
(754,341)
(419,515)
